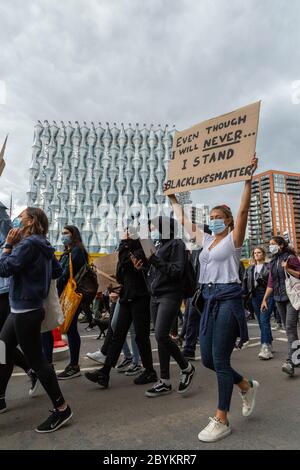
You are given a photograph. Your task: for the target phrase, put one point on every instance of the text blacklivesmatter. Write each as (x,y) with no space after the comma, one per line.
(214,152)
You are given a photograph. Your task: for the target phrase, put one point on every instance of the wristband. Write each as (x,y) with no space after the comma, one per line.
(8,246)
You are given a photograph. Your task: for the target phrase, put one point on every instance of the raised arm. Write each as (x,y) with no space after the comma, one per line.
(191,228)
(242,217)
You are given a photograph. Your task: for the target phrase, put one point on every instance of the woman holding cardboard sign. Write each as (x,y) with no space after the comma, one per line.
(223,319)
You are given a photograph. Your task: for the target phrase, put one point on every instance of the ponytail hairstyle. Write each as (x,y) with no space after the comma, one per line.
(227,213)
(285,247)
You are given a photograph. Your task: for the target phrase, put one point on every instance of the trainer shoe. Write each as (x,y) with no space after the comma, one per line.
(98,377)
(133,369)
(249,398)
(265,352)
(124,365)
(3,407)
(288,368)
(97,357)
(34,383)
(160,388)
(186,380)
(214,431)
(69,373)
(146,377)
(56,420)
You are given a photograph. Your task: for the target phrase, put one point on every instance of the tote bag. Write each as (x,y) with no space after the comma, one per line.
(292,286)
(69,300)
(53,312)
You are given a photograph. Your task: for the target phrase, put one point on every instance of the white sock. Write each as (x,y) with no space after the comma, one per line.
(188,369)
(165,381)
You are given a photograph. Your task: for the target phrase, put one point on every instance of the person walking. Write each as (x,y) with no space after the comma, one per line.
(167,291)
(256,281)
(134,308)
(28,259)
(223,318)
(283,258)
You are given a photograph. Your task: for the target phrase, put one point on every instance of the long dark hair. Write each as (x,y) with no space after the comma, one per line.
(76,239)
(286,248)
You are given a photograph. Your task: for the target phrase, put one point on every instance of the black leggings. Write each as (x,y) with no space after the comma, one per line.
(163,312)
(19,358)
(25,329)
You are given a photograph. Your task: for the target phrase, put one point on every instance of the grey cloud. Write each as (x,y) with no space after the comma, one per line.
(172,61)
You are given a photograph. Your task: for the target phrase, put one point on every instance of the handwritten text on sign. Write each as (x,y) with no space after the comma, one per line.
(215,152)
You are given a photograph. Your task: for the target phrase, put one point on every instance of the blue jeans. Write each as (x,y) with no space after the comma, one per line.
(263,317)
(191,320)
(217,345)
(135,355)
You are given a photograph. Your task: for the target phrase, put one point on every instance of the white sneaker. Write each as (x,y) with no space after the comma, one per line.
(97,357)
(214,431)
(249,398)
(265,352)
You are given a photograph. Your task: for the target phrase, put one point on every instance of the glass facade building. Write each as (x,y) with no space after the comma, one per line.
(98,177)
(275,208)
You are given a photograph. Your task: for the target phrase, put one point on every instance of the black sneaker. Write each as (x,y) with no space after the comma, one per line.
(34,383)
(123,366)
(146,377)
(159,389)
(69,373)
(55,421)
(288,368)
(186,380)
(3,407)
(98,377)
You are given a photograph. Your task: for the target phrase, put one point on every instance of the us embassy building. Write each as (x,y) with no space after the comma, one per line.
(99,178)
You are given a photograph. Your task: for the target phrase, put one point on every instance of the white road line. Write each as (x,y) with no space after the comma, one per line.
(282,339)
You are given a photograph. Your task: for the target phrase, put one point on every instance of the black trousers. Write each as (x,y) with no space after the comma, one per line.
(25,329)
(163,311)
(19,358)
(138,312)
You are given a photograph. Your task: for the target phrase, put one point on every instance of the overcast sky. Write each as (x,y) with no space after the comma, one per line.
(148,61)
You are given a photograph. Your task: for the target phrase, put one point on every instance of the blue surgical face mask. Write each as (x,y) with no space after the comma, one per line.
(155,235)
(17,223)
(217,226)
(66,239)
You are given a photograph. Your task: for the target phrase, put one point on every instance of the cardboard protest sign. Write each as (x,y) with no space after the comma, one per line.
(106,271)
(2,162)
(214,152)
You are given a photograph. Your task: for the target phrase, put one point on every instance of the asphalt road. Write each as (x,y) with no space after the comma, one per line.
(121,417)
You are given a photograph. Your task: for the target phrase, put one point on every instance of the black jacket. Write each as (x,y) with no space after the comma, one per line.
(262,279)
(166,274)
(278,276)
(132,281)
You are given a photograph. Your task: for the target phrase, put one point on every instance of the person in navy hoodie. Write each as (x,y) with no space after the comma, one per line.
(19,358)
(28,259)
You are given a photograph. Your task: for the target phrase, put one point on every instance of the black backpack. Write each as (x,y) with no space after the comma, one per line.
(190,283)
(87,283)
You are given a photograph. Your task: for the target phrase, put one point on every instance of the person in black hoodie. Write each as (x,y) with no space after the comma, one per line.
(167,291)
(28,258)
(134,307)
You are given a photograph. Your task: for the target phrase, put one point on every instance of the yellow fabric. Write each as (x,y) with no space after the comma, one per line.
(69,301)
